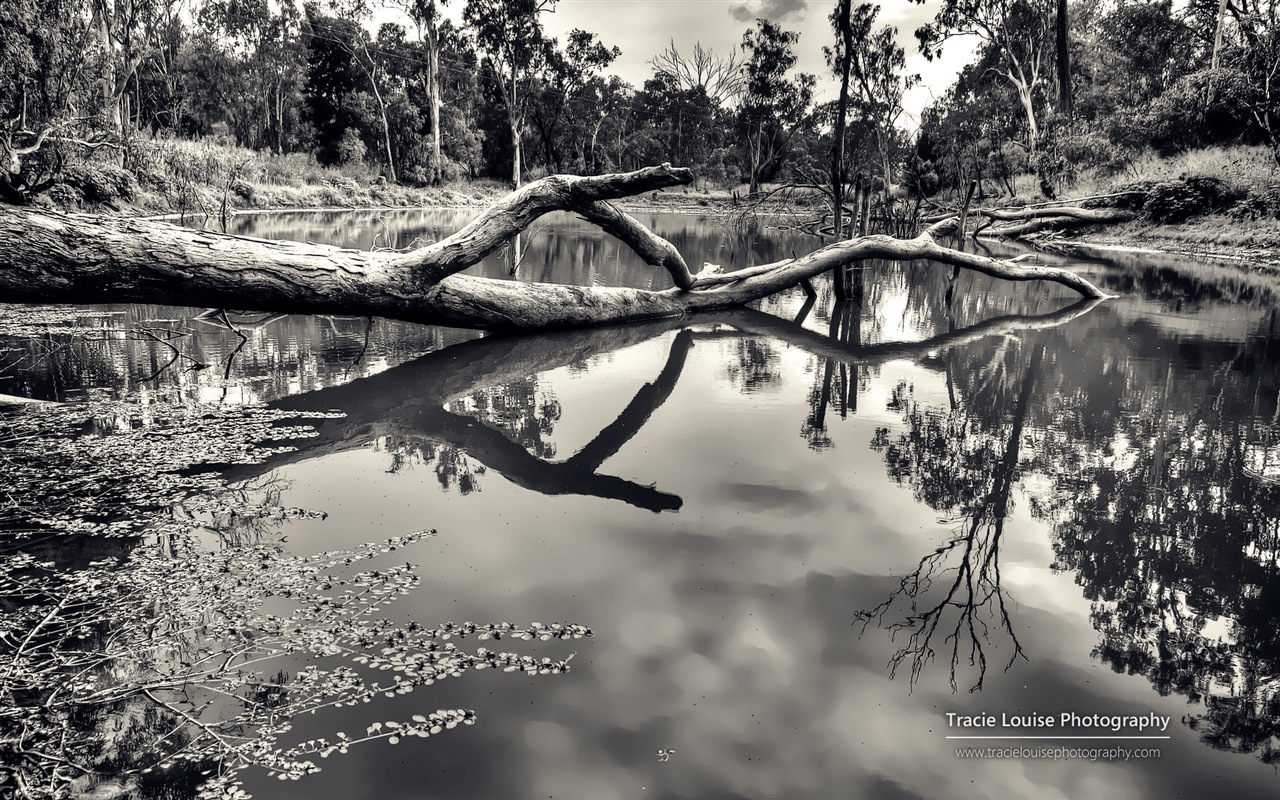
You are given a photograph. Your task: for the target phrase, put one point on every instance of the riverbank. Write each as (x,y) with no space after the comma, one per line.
(1255,245)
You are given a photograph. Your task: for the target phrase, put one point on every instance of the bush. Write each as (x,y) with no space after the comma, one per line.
(1177,201)
(100,183)
(351,149)
(1258,204)
(1180,120)
(65,195)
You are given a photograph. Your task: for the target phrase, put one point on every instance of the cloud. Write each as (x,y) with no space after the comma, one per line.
(772,10)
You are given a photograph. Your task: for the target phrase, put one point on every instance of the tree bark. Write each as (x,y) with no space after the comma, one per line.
(51,257)
(1056,218)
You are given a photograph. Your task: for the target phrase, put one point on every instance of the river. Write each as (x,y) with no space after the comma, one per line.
(802,534)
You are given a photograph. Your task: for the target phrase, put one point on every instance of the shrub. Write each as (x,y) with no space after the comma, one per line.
(351,148)
(65,195)
(244,190)
(1258,204)
(1177,201)
(101,183)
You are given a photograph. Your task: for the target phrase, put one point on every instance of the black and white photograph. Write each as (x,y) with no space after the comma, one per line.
(639,399)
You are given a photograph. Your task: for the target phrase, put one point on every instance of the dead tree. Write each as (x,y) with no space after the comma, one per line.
(52,257)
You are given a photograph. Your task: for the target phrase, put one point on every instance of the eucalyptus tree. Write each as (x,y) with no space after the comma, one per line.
(1020,32)
(509,33)
(427,16)
(717,76)
(244,65)
(358,12)
(565,73)
(878,67)
(774,104)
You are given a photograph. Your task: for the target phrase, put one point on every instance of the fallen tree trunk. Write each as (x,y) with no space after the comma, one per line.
(1059,218)
(51,257)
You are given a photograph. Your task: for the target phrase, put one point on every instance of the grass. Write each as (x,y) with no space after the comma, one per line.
(170,175)
(1242,166)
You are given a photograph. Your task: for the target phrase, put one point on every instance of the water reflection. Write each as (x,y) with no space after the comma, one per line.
(476,406)
(1133,444)
(956,466)
(1156,463)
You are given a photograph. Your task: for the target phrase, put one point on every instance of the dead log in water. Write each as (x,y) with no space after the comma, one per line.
(51,257)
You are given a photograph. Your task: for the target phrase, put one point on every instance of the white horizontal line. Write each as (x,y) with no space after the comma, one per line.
(1058,737)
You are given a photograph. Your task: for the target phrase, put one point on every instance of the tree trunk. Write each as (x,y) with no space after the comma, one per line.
(515,155)
(50,257)
(1064,60)
(844,27)
(1028,107)
(433,94)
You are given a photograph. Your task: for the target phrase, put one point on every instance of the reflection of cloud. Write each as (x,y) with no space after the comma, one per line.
(772,10)
(760,497)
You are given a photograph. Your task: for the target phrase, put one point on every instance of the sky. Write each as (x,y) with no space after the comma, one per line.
(644,28)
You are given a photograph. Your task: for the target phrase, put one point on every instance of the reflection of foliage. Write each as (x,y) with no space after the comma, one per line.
(451,464)
(944,458)
(836,385)
(166,658)
(755,365)
(1175,536)
(517,408)
(955,465)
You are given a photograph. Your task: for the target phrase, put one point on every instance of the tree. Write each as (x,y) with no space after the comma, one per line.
(1062,46)
(427,17)
(46,99)
(356,13)
(509,34)
(564,75)
(244,68)
(332,78)
(773,104)
(840,60)
(878,66)
(720,78)
(1018,31)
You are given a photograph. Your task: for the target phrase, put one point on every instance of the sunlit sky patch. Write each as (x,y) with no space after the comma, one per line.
(644,28)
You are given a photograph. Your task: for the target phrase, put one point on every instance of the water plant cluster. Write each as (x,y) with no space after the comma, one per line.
(138,658)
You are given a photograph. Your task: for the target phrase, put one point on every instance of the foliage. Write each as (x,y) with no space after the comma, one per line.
(163,662)
(45,97)
(774,105)
(1177,201)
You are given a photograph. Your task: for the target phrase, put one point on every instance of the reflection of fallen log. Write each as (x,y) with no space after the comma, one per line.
(406,404)
(759,323)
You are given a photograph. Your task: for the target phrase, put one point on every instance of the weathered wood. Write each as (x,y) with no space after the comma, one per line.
(1056,218)
(52,257)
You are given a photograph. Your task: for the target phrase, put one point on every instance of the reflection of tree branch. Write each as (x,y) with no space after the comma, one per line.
(405,403)
(758,322)
(409,401)
(975,591)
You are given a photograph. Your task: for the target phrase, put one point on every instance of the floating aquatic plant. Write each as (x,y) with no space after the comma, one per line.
(166,663)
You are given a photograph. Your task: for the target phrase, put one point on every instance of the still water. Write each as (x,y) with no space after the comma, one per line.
(802,534)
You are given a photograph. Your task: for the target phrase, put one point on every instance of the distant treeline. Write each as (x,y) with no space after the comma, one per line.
(1054,88)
